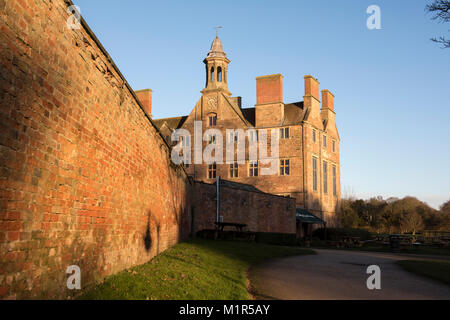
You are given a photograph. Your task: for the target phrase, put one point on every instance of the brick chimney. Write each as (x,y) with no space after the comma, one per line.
(311,87)
(145,98)
(269,89)
(327,100)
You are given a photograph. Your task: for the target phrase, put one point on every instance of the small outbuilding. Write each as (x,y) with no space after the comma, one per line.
(306,222)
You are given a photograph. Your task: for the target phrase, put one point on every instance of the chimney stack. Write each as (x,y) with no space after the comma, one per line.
(269,89)
(145,98)
(327,100)
(311,87)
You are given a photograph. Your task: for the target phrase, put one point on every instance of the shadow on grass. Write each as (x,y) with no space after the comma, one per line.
(193,270)
(437,270)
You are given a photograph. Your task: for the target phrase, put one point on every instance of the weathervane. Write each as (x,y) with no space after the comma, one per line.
(217,30)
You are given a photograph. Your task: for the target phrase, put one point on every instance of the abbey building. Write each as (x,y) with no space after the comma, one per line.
(308,166)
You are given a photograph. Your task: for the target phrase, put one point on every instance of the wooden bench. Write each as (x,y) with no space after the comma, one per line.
(239,226)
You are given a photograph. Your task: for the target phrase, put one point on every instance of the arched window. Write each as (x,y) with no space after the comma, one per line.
(219,74)
(212,74)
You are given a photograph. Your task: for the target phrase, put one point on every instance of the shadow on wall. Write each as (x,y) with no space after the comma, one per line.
(148,236)
(316,206)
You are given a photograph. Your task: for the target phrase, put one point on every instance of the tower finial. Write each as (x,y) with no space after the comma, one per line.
(217,30)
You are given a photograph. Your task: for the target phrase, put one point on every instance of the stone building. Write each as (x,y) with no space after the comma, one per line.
(308,164)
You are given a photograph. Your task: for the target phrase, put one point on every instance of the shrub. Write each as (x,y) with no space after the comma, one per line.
(335,233)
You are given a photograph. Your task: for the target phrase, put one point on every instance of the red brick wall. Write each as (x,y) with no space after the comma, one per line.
(85,178)
(262,212)
(145,97)
(311,87)
(269,89)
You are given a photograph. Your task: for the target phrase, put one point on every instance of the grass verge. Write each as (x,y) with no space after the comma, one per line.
(194,270)
(437,270)
(421,250)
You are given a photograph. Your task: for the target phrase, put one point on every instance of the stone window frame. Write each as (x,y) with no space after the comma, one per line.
(285,133)
(334,178)
(185,141)
(212,120)
(212,74)
(325,176)
(212,139)
(219,74)
(186,163)
(234,170)
(314,136)
(285,167)
(212,171)
(325,141)
(253,168)
(253,136)
(233,137)
(315,168)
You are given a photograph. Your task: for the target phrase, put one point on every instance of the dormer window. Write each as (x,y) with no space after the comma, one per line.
(212,120)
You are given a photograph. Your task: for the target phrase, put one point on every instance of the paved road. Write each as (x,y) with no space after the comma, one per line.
(332,275)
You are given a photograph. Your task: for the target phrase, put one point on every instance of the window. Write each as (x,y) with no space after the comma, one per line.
(334,145)
(219,74)
(234,136)
(212,171)
(213,120)
(334,181)
(212,139)
(253,169)
(234,170)
(253,136)
(212,74)
(185,141)
(284,133)
(314,136)
(314,165)
(186,160)
(325,177)
(285,167)
(324,141)
(167,138)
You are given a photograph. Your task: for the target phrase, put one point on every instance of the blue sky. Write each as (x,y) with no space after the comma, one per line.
(392,85)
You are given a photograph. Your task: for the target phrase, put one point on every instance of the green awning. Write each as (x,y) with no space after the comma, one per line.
(304,216)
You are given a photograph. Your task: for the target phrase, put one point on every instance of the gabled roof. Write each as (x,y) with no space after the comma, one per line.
(172,123)
(294,113)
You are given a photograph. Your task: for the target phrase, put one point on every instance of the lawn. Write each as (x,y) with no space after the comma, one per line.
(425,250)
(437,270)
(197,270)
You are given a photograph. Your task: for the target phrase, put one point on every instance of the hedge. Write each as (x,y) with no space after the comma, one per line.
(283,239)
(335,233)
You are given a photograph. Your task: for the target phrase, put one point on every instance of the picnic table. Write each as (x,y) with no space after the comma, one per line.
(346,242)
(238,226)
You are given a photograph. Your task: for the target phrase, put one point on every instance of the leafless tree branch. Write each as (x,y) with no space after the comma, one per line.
(441,11)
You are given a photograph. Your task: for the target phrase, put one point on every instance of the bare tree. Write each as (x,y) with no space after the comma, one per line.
(441,11)
(411,222)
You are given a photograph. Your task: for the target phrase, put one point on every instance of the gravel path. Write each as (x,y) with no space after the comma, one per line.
(341,275)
